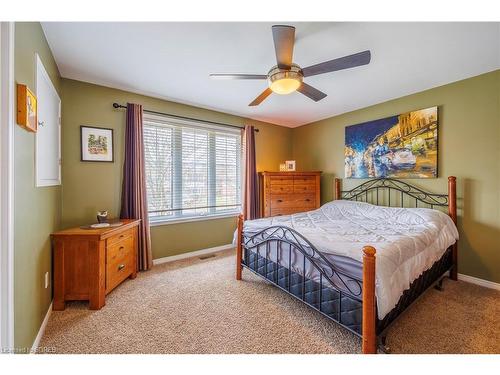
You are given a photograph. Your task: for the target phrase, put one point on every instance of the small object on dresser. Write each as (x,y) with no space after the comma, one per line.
(102,217)
(283,167)
(290,165)
(100,225)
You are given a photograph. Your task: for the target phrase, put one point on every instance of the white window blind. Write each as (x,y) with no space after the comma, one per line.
(192,170)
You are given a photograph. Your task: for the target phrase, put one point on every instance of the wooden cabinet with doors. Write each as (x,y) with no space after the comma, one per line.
(284,193)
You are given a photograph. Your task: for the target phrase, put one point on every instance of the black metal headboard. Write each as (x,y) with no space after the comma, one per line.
(392,192)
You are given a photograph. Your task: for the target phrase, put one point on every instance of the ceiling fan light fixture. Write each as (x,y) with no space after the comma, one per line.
(285,82)
(285,86)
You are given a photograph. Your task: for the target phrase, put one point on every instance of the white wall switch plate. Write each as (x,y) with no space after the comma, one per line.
(46,280)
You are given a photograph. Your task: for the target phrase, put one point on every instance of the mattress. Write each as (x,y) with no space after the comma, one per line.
(408,242)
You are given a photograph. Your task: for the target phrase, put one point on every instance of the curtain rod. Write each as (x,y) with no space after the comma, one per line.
(116,105)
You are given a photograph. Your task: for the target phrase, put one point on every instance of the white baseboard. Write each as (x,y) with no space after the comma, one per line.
(481,282)
(192,254)
(41,331)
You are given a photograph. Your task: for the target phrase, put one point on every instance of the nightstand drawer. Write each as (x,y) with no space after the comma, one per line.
(118,271)
(119,237)
(120,250)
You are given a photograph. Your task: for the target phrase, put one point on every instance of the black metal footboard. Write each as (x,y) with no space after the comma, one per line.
(286,259)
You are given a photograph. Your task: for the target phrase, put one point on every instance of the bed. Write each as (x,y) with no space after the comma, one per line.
(361,259)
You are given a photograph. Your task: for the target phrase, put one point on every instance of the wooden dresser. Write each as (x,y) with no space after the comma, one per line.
(90,263)
(284,193)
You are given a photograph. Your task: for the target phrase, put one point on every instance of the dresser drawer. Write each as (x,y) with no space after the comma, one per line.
(287,211)
(119,262)
(281,189)
(282,211)
(280,180)
(292,200)
(304,188)
(118,271)
(300,180)
(119,237)
(117,251)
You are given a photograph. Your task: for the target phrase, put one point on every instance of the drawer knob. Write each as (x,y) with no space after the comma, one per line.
(121,266)
(121,248)
(308,200)
(280,200)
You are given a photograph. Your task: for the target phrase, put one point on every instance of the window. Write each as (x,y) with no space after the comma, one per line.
(191,170)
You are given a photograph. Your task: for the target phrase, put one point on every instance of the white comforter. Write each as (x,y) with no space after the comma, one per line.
(408,240)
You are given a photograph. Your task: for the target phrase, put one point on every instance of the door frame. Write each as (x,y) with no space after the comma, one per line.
(7,124)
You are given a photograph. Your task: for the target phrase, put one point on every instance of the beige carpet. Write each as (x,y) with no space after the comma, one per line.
(196,306)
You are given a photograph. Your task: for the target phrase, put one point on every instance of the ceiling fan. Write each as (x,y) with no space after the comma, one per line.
(287,77)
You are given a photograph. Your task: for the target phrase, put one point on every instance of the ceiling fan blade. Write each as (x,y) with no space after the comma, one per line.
(284,39)
(311,92)
(259,99)
(346,62)
(237,76)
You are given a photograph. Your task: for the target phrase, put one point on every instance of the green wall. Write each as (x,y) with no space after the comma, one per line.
(36,210)
(469,148)
(89,187)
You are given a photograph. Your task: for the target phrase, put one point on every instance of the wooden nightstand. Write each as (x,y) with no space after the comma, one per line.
(90,263)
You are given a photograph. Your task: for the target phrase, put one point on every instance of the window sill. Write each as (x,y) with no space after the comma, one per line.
(157,223)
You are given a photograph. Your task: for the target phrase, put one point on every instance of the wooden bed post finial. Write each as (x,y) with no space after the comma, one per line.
(239,247)
(452,211)
(369,336)
(338,189)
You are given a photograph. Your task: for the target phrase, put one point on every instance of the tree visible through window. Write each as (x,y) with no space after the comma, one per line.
(191,170)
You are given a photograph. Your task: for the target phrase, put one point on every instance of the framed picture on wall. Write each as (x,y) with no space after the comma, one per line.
(400,146)
(96,144)
(27,115)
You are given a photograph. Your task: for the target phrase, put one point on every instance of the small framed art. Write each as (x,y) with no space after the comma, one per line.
(96,144)
(290,165)
(26,108)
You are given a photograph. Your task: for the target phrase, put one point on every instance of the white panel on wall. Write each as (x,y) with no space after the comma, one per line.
(48,136)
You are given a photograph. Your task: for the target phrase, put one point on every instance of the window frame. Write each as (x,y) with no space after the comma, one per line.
(178,217)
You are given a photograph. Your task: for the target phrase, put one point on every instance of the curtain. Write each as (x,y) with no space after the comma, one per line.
(250,181)
(134,199)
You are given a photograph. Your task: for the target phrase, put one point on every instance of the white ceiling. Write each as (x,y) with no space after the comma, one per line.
(173,60)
